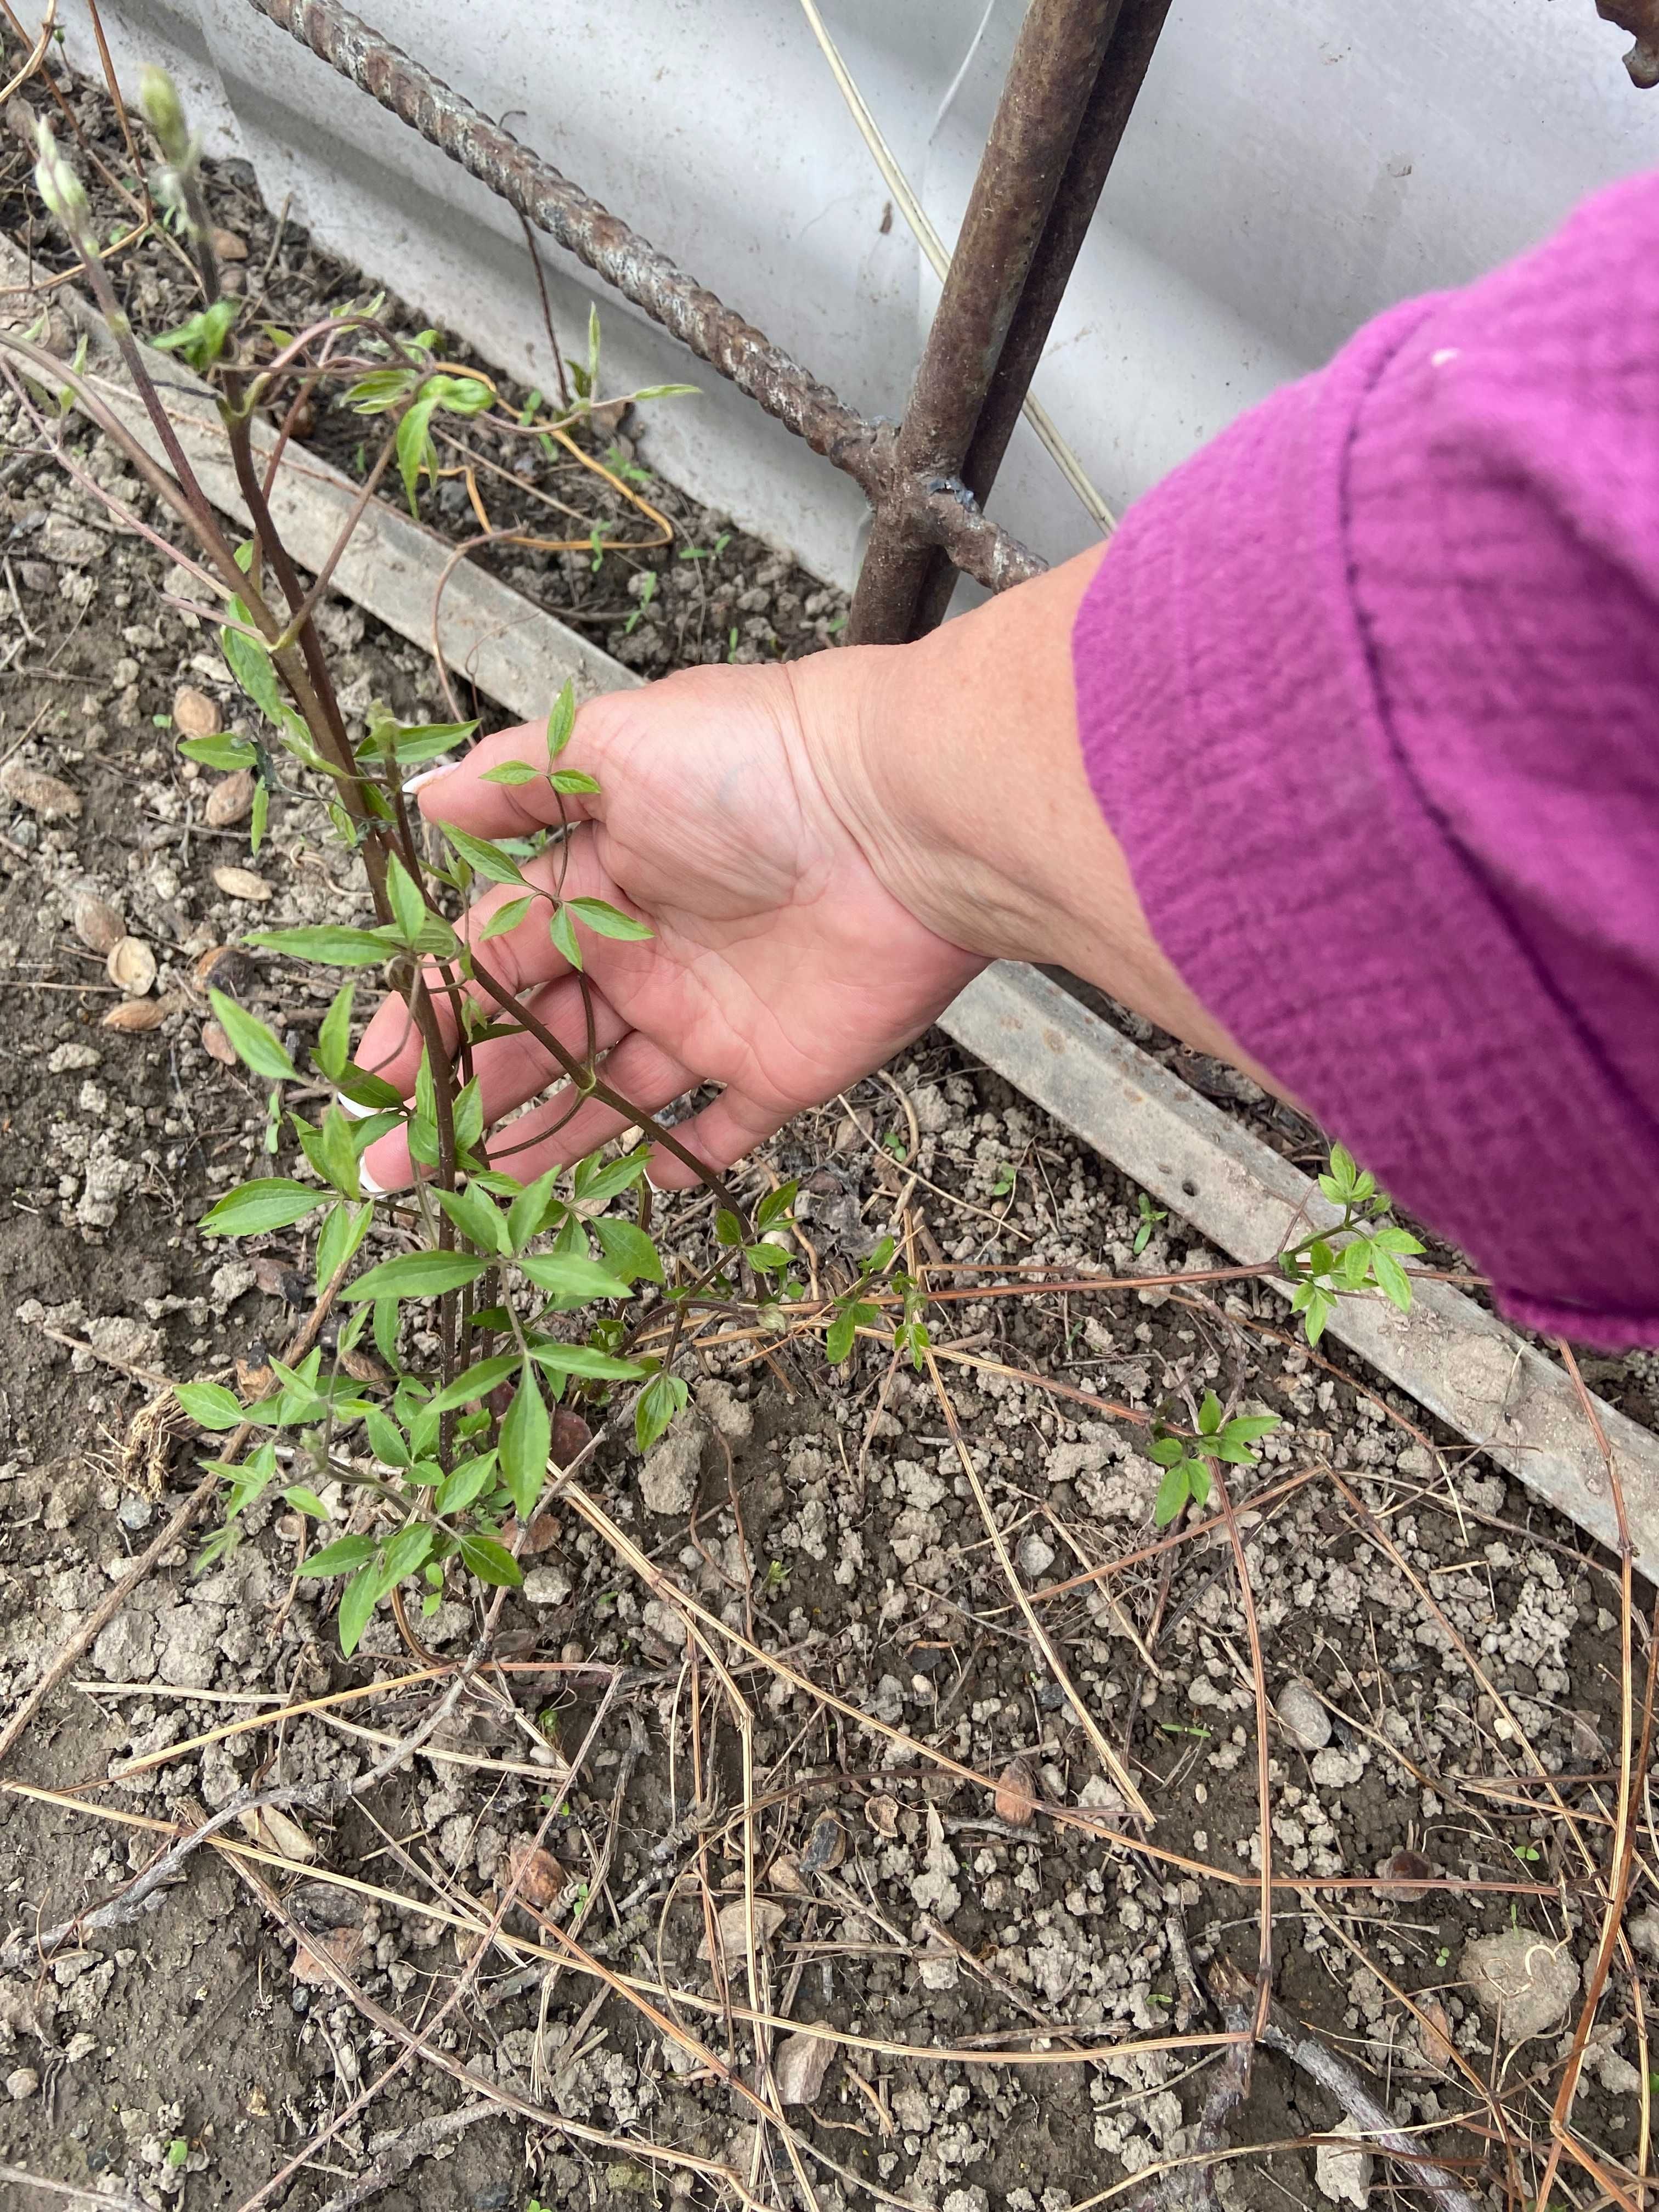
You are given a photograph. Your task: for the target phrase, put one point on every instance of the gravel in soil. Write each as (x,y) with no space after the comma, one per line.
(1442,1657)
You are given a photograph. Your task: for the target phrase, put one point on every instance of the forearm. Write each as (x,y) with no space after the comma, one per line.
(956,763)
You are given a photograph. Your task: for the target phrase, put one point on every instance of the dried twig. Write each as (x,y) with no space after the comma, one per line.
(1236,1997)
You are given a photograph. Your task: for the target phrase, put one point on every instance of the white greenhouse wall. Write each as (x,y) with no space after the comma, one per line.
(1292,166)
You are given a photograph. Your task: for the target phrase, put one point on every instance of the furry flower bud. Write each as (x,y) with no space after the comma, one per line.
(59,186)
(158,98)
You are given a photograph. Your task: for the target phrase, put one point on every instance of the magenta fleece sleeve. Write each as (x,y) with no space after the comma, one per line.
(1369,692)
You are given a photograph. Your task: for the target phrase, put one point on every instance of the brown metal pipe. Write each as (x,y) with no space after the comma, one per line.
(934,513)
(1058,56)
(1116,88)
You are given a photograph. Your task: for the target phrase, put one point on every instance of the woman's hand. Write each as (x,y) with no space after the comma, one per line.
(826,852)
(779,967)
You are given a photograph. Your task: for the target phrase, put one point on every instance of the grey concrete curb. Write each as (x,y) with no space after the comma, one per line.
(1448,1354)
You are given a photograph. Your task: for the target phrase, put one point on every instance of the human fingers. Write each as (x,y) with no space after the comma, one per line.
(551,1136)
(463,795)
(520,959)
(511,1069)
(727,1128)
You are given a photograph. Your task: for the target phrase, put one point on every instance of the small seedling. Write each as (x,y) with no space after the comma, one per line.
(1186,1461)
(1324,1270)
(1151,1215)
(1006,1177)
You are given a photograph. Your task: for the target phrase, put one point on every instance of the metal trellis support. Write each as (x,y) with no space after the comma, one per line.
(1077,68)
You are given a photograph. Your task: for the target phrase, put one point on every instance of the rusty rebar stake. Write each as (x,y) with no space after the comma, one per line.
(1057,56)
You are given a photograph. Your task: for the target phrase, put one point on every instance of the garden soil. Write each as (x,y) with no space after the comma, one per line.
(1442,1657)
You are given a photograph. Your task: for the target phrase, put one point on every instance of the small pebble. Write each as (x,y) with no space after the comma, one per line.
(134,1512)
(1302,1718)
(22,2084)
(1034,1556)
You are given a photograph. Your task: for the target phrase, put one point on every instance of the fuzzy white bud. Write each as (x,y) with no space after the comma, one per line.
(158,98)
(59,186)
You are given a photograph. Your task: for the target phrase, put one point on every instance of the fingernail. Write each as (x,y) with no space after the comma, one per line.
(370,1182)
(350,1108)
(431,775)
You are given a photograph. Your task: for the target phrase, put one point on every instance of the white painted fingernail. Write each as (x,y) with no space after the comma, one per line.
(350,1108)
(371,1184)
(431,775)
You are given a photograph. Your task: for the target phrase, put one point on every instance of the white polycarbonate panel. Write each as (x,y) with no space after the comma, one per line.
(1292,166)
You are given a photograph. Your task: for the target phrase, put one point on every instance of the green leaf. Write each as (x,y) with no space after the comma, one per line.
(573,783)
(838,1343)
(250,662)
(1245,1428)
(254,1208)
(343,1556)
(662,1398)
(415,449)
(475,1217)
(524,1440)
(628,1252)
(417,1275)
(596,1181)
(1198,1475)
(728,1230)
(403,895)
(484,859)
(330,944)
(1354,1264)
(1168,1451)
(363,1089)
(339,1154)
(405,1553)
(561,933)
(491,1562)
(226,750)
(210,1406)
(571,1279)
(512,772)
(385,1439)
(776,1204)
(583,1361)
(561,722)
(385,1330)
(468,1115)
(1391,1279)
(1209,1414)
(305,1501)
(418,742)
(333,1045)
(767,1259)
(1394,1240)
(528,1212)
(253,1043)
(201,337)
(607,920)
(477,1382)
(1172,1494)
(506,917)
(467,1479)
(358,1602)
(1320,1308)
(338,1239)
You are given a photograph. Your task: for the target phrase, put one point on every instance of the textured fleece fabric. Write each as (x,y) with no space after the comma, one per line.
(1369,691)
